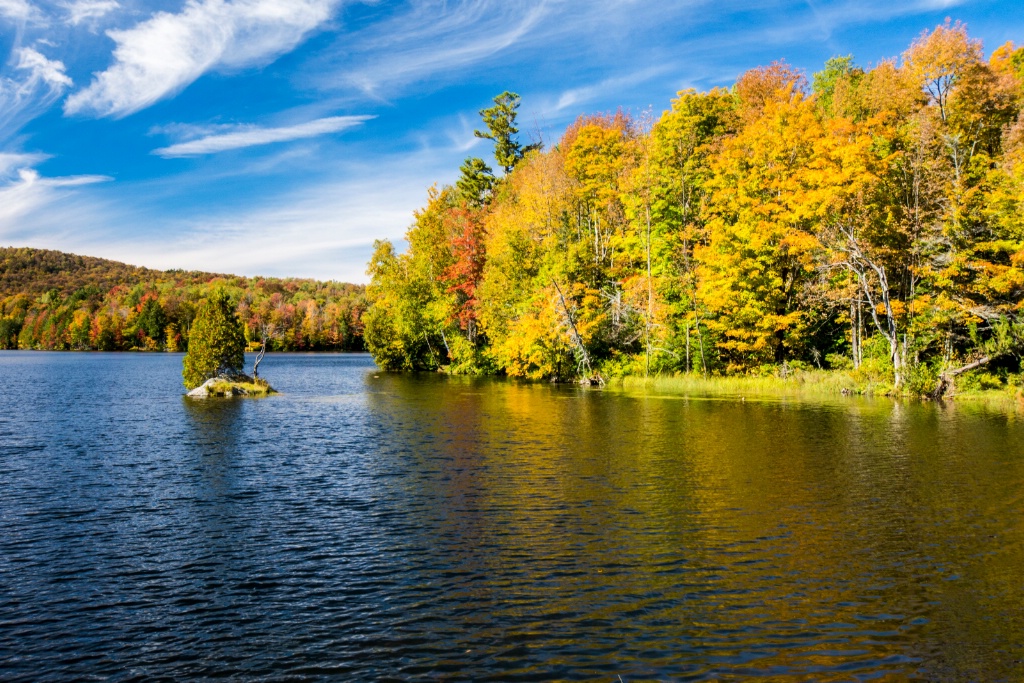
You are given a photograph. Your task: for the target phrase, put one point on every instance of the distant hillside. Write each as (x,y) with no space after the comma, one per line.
(54,300)
(34,271)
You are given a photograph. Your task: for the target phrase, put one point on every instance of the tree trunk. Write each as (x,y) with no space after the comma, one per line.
(259,357)
(688,367)
(650,294)
(577,340)
(859,265)
(946,378)
(855,333)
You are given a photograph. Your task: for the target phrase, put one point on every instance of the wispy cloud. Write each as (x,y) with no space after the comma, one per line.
(326,231)
(320,226)
(250,136)
(580,96)
(11,162)
(89,10)
(27,193)
(37,82)
(427,38)
(164,54)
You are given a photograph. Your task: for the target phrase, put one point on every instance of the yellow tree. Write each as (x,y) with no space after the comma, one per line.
(597,154)
(761,245)
(682,145)
(540,300)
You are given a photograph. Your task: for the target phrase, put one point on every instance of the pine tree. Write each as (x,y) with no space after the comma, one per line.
(216,342)
(476,182)
(501,128)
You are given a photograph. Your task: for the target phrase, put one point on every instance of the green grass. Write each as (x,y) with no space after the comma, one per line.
(812,384)
(257,387)
(800,383)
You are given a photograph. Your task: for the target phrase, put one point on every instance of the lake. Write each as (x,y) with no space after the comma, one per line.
(367,526)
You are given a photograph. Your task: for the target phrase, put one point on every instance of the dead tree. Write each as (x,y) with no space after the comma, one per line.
(865,269)
(266,332)
(579,348)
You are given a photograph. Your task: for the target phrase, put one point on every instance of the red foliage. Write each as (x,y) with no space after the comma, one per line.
(464,275)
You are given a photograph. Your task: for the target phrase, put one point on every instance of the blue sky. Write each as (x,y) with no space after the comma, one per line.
(281,137)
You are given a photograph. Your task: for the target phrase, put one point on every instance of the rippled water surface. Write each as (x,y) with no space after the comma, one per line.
(364,526)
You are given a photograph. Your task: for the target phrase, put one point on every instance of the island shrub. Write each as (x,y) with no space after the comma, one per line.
(216,343)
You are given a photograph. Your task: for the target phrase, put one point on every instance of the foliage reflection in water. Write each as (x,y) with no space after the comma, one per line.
(374,526)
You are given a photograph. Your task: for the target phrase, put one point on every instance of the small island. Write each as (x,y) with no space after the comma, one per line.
(216,354)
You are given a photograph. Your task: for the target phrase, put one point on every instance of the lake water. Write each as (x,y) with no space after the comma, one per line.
(365,526)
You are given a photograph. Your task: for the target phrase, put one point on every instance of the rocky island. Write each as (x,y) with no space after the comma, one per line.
(232,385)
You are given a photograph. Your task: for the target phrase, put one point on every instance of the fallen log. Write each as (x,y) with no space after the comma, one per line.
(946,378)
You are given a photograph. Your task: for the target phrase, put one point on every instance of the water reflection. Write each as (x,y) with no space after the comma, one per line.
(768,537)
(368,526)
(215,423)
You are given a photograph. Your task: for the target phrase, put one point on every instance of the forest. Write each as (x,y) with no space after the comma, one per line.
(862,219)
(55,301)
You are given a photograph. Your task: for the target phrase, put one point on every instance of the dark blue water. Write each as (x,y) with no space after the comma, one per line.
(364,526)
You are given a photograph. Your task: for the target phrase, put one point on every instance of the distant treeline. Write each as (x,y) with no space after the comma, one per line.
(862,218)
(56,301)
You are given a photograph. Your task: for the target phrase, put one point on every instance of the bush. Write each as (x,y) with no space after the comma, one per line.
(921,379)
(216,343)
(839,361)
(978,380)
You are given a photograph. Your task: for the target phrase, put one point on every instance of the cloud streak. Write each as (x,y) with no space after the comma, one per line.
(88,10)
(164,54)
(36,84)
(429,38)
(251,136)
(29,193)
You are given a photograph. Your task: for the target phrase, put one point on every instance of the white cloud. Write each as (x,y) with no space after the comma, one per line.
(29,193)
(18,10)
(249,136)
(37,83)
(426,38)
(325,231)
(164,54)
(305,226)
(11,162)
(42,70)
(87,10)
(577,97)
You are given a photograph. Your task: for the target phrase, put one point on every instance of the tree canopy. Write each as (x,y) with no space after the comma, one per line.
(867,219)
(56,301)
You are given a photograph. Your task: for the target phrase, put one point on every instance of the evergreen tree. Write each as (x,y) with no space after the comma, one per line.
(501,128)
(216,343)
(476,182)
(152,320)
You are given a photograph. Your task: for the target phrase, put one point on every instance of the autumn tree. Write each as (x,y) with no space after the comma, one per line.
(938,59)
(873,214)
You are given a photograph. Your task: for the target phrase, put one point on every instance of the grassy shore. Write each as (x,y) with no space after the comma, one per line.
(803,383)
(809,384)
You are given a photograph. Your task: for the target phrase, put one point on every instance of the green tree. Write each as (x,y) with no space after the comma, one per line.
(476,182)
(501,129)
(216,343)
(837,71)
(152,320)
